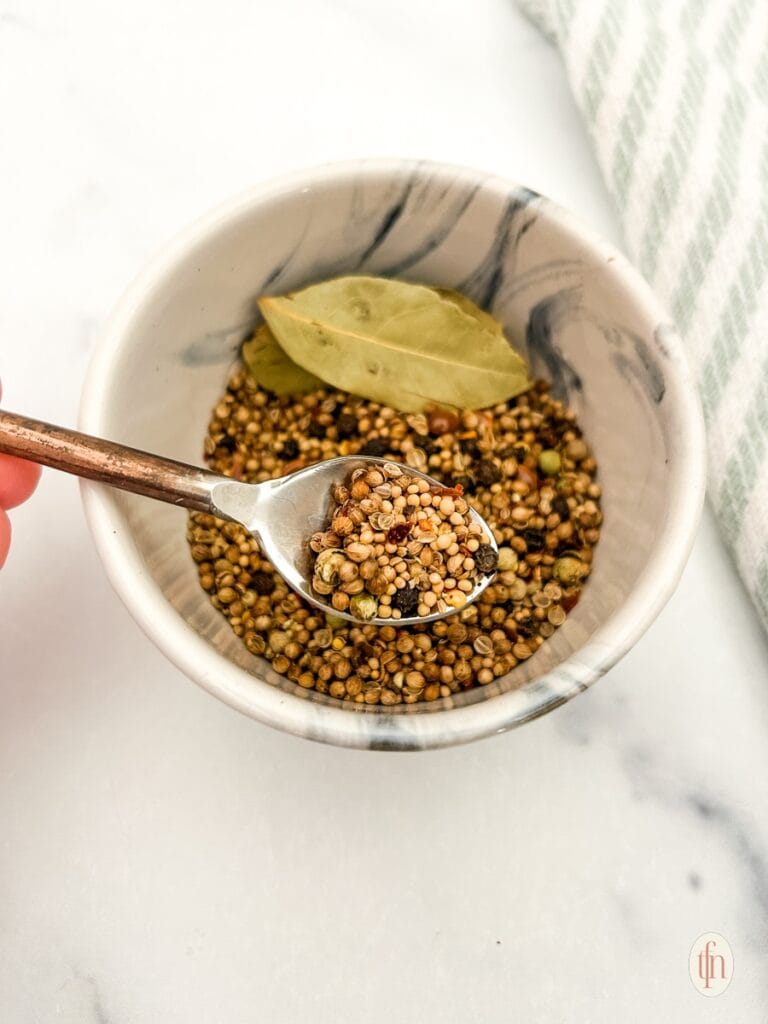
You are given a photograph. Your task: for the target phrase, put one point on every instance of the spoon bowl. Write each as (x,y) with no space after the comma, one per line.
(282,514)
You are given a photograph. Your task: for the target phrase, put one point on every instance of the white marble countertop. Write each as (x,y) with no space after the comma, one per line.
(163,858)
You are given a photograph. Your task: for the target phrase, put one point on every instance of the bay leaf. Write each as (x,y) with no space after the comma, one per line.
(471,309)
(401,344)
(273,368)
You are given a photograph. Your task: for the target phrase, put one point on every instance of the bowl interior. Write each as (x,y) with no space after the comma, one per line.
(575,308)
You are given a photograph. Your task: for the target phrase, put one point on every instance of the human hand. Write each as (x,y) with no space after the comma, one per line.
(18,479)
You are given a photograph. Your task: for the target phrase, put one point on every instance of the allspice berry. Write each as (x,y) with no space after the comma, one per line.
(442,421)
(568,570)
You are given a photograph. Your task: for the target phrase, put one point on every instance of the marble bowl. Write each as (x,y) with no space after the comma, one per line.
(584,318)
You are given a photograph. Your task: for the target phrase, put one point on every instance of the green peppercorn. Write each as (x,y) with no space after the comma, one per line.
(549,462)
(568,570)
(363,606)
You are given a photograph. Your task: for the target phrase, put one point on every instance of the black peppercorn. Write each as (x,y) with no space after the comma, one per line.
(406,601)
(346,426)
(470,448)
(487,473)
(289,451)
(426,444)
(228,443)
(263,583)
(486,558)
(548,438)
(509,451)
(316,429)
(377,447)
(534,539)
(560,506)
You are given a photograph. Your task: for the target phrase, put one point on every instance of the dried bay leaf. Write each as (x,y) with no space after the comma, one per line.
(471,309)
(273,368)
(401,344)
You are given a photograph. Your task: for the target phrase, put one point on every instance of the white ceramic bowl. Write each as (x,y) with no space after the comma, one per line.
(583,316)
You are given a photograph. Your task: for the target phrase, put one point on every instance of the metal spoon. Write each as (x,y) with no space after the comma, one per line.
(282,514)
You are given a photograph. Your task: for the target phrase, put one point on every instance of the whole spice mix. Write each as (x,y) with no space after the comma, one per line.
(446,395)
(397,546)
(544,512)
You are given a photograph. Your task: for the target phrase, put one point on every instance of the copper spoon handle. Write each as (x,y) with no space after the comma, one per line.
(115,464)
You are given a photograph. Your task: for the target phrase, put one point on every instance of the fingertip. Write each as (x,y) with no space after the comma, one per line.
(18,479)
(5,537)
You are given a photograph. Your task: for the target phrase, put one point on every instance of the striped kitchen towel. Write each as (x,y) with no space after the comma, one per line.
(675,95)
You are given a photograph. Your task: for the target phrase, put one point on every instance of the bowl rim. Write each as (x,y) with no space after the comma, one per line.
(442,725)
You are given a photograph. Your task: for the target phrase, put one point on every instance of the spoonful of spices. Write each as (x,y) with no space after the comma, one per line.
(400,546)
(372,539)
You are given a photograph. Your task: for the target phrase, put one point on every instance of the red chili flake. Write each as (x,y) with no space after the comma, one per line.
(397,534)
(452,492)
